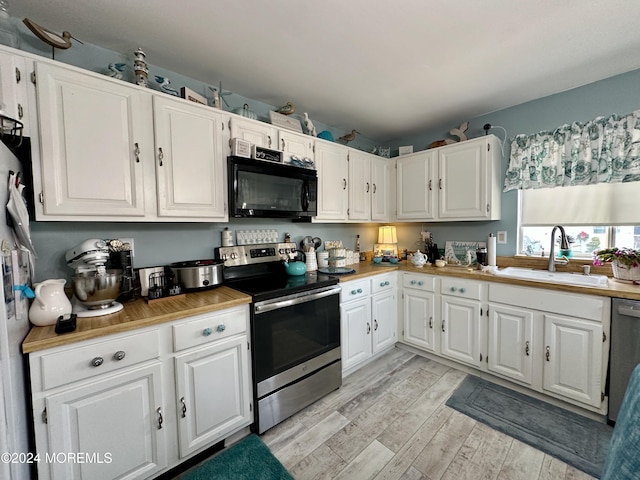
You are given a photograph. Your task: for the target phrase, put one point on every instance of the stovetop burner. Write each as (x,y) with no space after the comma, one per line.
(274,286)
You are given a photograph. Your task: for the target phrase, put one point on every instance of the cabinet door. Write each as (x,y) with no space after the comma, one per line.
(573,358)
(379,189)
(214,396)
(13,89)
(359,186)
(355,332)
(189,160)
(383,313)
(92,143)
(119,420)
(511,344)
(419,319)
(416,186)
(257,133)
(292,143)
(333,171)
(460,327)
(463,182)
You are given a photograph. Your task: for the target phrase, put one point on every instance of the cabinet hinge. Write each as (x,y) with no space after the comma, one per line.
(604,337)
(251,407)
(481,311)
(480,357)
(486,359)
(41,197)
(248,346)
(229,124)
(602,396)
(33,77)
(18,75)
(44,415)
(488,147)
(222,125)
(488,208)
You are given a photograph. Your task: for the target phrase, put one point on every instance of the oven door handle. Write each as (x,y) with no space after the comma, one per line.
(296,299)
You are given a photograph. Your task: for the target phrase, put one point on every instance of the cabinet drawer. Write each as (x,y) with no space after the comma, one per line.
(383,283)
(210,327)
(354,290)
(418,281)
(97,358)
(460,288)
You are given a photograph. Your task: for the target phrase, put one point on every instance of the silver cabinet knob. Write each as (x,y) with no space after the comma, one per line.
(97,361)
(119,355)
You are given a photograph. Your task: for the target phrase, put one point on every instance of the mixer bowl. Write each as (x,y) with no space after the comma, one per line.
(97,291)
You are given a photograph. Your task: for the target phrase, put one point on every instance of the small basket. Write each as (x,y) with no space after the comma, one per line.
(625,272)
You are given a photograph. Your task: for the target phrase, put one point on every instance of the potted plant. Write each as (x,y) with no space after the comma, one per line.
(625,262)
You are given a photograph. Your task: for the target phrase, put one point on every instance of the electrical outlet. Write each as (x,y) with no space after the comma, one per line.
(502,237)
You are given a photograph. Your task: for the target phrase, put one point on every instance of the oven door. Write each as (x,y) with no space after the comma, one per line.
(289,331)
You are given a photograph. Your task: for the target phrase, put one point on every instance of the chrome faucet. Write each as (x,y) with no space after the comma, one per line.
(564,245)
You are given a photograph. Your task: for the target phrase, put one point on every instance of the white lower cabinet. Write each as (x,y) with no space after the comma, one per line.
(461,320)
(420,326)
(368,317)
(213,394)
(118,421)
(131,407)
(555,343)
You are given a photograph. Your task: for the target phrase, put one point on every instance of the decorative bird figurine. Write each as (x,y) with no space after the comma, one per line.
(459,132)
(164,86)
(311,129)
(349,136)
(287,109)
(116,69)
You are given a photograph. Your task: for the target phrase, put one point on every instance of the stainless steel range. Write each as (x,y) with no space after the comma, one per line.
(295,330)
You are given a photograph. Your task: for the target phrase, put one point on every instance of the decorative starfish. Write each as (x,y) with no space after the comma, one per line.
(116,69)
(221,94)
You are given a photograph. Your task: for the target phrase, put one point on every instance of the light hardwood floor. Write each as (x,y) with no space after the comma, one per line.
(389,421)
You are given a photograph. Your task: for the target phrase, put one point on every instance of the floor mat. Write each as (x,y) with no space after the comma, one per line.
(570,437)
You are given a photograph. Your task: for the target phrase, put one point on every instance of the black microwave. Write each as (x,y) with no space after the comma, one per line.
(265,189)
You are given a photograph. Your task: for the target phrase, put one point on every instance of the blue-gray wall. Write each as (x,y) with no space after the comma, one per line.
(161,243)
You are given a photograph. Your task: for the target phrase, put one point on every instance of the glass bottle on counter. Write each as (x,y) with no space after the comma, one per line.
(356,251)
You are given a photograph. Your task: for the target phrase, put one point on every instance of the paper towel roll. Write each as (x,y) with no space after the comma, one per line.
(491,250)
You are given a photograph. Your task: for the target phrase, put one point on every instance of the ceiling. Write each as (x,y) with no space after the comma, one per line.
(385,68)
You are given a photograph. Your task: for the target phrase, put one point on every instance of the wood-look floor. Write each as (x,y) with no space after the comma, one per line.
(389,421)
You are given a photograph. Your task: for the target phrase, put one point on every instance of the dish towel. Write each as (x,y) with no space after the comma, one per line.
(623,457)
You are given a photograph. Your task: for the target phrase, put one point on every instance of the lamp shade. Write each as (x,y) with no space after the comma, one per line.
(387,234)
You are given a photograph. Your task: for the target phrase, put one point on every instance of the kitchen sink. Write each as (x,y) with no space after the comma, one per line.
(567,278)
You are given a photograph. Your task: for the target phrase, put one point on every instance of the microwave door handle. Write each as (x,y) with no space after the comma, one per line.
(305,197)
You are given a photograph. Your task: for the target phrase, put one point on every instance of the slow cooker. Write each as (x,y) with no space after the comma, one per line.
(198,274)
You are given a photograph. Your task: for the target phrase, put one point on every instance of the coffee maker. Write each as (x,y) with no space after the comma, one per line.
(121,258)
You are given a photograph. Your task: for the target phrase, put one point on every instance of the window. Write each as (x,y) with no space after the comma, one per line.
(594,216)
(583,240)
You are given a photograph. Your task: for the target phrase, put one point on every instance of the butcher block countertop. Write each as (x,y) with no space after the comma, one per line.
(615,288)
(137,314)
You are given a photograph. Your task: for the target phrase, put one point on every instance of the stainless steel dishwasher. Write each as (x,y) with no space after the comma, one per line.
(625,350)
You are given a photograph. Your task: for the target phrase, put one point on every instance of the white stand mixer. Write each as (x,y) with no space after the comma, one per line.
(95,287)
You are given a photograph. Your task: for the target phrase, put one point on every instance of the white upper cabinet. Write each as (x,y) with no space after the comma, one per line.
(111,151)
(380,188)
(456,182)
(14,77)
(297,144)
(333,172)
(415,186)
(359,185)
(190,169)
(257,133)
(92,142)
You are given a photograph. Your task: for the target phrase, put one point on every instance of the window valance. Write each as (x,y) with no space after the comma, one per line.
(603,150)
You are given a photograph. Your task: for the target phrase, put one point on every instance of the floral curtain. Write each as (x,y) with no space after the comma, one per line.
(603,150)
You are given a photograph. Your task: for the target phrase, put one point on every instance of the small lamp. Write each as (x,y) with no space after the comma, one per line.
(387,246)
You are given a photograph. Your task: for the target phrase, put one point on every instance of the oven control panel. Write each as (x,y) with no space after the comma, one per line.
(256,253)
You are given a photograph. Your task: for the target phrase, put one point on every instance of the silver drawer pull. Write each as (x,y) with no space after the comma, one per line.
(97,361)
(119,355)
(184,407)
